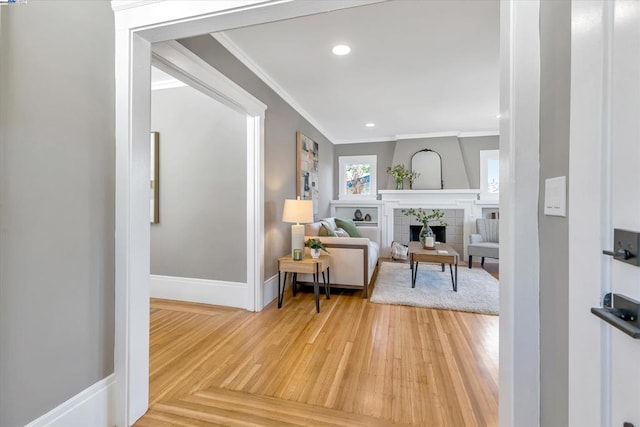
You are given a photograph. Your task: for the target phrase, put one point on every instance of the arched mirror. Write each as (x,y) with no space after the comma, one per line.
(429,164)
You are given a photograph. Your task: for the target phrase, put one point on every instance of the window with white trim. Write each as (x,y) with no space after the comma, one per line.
(490,175)
(357,177)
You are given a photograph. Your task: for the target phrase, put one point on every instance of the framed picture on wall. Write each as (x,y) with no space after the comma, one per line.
(154,169)
(357,179)
(307,170)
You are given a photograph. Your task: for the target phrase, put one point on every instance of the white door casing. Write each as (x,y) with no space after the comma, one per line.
(179,62)
(604,373)
(140,23)
(625,198)
(519,181)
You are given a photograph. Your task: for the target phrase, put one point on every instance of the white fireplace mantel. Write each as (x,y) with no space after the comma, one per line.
(444,195)
(467,200)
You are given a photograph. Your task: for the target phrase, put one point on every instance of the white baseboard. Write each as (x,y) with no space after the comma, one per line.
(270,290)
(94,406)
(216,292)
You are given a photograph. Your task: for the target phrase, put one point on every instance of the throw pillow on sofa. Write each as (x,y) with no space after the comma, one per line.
(341,233)
(325,230)
(349,226)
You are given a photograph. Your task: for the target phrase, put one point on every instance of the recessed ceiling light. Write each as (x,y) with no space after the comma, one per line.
(498,116)
(370,125)
(341,49)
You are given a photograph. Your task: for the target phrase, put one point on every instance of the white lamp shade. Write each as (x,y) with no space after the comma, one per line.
(298,211)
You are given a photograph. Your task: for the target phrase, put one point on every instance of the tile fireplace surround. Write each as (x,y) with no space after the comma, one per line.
(455,226)
(461,208)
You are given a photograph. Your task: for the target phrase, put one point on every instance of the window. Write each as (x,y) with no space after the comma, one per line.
(490,175)
(357,178)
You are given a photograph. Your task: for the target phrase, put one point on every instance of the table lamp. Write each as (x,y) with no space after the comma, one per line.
(297,212)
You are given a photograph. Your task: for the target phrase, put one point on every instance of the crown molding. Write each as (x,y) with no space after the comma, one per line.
(242,56)
(428,135)
(479,133)
(167,84)
(365,140)
(118,5)
(455,134)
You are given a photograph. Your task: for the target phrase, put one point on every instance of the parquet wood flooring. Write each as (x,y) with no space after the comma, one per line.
(354,364)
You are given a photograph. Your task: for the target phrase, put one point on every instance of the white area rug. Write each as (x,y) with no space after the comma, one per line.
(478,291)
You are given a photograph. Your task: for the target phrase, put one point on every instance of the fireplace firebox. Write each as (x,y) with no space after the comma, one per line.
(440,232)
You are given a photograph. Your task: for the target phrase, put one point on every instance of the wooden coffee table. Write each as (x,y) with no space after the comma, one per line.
(442,254)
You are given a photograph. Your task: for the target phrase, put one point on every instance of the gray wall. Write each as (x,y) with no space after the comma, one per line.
(57,173)
(471,148)
(460,157)
(454,173)
(555,44)
(203,187)
(281,124)
(384,151)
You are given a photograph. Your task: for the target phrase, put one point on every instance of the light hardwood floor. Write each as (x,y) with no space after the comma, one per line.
(354,364)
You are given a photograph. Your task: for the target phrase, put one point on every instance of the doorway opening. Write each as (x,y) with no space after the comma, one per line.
(244,287)
(138,28)
(199,243)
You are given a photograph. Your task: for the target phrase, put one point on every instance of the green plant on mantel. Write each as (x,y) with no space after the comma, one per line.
(425,218)
(401,174)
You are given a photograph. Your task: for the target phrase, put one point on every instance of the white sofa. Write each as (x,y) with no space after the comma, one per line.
(353,259)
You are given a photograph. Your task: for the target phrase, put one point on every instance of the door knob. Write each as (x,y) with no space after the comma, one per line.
(621,254)
(626,247)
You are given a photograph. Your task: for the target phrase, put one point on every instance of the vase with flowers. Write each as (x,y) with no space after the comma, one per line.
(427,238)
(401,174)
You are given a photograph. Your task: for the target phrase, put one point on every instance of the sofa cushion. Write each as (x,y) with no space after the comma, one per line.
(489,229)
(349,226)
(312,229)
(331,222)
(484,249)
(374,251)
(341,233)
(326,231)
(372,233)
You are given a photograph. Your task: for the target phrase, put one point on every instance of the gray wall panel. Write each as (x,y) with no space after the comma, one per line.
(203,187)
(454,173)
(471,148)
(555,44)
(57,170)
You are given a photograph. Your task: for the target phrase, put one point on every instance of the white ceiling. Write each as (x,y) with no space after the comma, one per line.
(416,67)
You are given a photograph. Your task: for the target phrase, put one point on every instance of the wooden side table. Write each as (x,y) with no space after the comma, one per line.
(305,266)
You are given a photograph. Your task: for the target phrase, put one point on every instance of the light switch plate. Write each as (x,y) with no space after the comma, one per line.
(555,196)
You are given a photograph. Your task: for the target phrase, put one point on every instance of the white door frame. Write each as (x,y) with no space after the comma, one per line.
(519,189)
(141,23)
(179,62)
(590,208)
